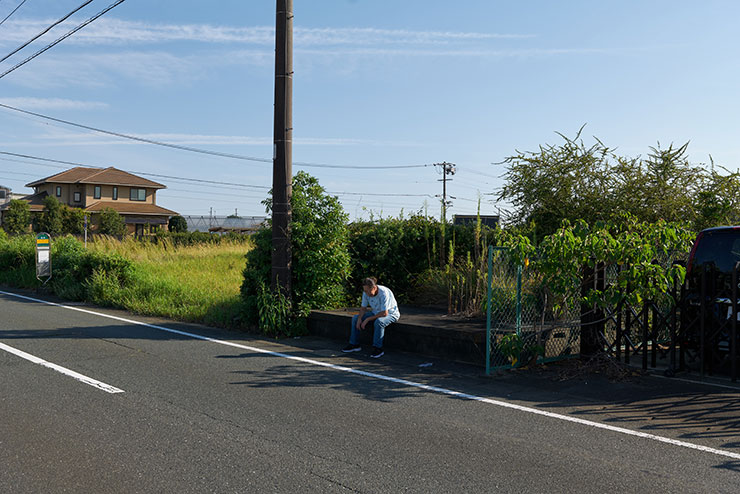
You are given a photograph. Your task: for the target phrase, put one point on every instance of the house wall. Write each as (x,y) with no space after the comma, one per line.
(124,194)
(67,196)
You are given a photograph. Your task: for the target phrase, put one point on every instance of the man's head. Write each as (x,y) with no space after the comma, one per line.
(370,286)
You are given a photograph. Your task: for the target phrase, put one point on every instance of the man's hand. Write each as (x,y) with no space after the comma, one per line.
(364,323)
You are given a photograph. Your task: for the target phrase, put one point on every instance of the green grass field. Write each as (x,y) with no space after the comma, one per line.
(195,283)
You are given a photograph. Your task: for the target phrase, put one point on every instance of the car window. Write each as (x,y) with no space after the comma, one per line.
(721,248)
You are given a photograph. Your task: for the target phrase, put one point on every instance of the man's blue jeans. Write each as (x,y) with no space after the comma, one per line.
(380,325)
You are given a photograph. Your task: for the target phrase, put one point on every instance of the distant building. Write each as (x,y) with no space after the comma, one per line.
(491,221)
(95,189)
(224,224)
(5,195)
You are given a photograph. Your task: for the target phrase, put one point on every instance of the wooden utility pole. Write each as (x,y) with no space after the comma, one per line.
(282,171)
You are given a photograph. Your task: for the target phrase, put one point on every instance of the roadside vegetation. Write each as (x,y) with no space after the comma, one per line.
(194,282)
(573,204)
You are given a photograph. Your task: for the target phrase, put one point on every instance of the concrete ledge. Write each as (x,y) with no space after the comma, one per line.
(425,332)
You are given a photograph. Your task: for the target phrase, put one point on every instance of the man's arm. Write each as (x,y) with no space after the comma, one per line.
(359,317)
(373,317)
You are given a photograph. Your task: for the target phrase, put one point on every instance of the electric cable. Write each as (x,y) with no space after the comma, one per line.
(59,40)
(88,2)
(13,12)
(198,180)
(203,151)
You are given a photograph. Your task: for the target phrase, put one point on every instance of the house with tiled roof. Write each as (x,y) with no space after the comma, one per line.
(95,189)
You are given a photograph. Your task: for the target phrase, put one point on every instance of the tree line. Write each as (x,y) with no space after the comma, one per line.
(58,219)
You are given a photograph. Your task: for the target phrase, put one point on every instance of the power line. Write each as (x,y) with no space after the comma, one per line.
(201,180)
(377,194)
(202,151)
(88,2)
(195,180)
(43,159)
(13,12)
(70,33)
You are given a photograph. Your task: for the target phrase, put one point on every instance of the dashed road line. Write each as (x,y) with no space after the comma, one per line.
(67,372)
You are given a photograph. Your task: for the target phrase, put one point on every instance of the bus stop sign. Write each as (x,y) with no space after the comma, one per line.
(43,256)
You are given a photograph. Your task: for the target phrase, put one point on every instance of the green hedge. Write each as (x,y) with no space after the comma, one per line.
(398,250)
(74,269)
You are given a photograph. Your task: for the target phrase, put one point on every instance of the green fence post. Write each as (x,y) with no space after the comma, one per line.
(488,310)
(519,300)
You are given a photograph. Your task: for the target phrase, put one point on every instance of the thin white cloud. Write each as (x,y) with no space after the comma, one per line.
(104,69)
(492,53)
(118,31)
(62,137)
(53,104)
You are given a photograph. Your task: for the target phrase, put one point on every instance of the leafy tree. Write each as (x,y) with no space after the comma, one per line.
(574,182)
(571,181)
(17,217)
(73,220)
(50,220)
(718,201)
(178,224)
(111,223)
(319,240)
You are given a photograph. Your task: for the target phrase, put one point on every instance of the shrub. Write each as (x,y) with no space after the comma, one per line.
(187,239)
(50,220)
(17,217)
(74,268)
(178,224)
(17,262)
(111,223)
(73,220)
(321,262)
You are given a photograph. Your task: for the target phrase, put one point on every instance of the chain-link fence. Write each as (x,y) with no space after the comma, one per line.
(525,323)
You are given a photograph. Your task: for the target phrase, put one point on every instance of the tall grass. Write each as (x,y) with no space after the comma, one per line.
(198,283)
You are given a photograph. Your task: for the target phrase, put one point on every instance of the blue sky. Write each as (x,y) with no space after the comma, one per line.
(377,82)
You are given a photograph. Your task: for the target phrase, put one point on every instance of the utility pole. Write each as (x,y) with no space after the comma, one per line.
(447,169)
(282,169)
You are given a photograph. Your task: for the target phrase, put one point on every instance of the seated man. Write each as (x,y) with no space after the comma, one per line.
(384,311)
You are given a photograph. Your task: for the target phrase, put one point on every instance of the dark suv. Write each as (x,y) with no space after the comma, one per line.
(709,272)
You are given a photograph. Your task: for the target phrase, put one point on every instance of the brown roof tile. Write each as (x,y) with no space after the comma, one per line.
(129,208)
(106,176)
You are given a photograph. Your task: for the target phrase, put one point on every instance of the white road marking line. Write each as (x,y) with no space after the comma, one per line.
(404,382)
(36,360)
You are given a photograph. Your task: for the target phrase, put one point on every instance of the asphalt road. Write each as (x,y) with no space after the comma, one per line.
(221,415)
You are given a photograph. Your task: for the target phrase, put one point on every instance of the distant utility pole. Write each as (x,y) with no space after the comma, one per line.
(447,169)
(282,168)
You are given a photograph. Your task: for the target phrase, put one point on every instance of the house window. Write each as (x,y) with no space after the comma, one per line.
(96,194)
(59,191)
(138,195)
(115,193)
(77,197)
(2,194)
